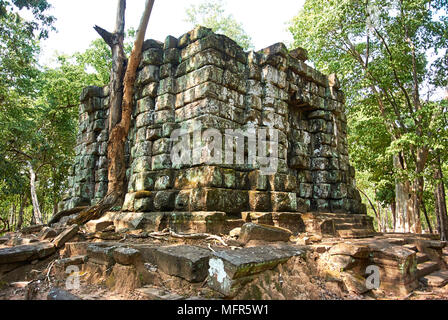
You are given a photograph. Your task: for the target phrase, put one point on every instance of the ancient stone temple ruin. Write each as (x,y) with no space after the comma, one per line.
(238,177)
(206,81)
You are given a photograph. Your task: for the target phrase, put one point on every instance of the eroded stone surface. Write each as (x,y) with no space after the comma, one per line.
(26,253)
(187,262)
(228,270)
(126,256)
(252,231)
(66,236)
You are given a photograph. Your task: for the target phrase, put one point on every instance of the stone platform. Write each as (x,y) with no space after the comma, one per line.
(257,261)
(324,225)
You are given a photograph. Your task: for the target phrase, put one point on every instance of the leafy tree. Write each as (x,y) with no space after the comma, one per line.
(211,14)
(383,51)
(42,23)
(18,75)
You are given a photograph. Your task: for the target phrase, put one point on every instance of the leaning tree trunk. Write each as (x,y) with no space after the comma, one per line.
(119,133)
(36,210)
(428,221)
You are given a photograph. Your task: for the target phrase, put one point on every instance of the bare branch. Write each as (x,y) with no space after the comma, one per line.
(108,37)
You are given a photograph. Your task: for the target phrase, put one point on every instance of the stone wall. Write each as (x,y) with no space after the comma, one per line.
(207,78)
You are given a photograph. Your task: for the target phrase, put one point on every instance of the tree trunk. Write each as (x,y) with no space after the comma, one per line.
(22,208)
(418,189)
(440,200)
(403,200)
(394,215)
(36,210)
(428,221)
(119,133)
(115,41)
(12,216)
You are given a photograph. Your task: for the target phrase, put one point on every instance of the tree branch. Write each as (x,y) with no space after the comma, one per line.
(108,37)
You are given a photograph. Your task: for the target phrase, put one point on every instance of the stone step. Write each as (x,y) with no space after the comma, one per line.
(349,226)
(363,220)
(436,279)
(187,262)
(422,257)
(356,233)
(230,270)
(423,269)
(336,215)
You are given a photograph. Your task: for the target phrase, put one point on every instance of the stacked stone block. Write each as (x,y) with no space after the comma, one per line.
(88,178)
(206,78)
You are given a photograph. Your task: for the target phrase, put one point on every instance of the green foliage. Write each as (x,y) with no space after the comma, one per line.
(97,59)
(42,23)
(390,56)
(211,14)
(39,110)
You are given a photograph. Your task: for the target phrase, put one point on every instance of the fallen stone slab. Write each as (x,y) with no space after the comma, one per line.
(436,279)
(127,256)
(187,262)
(47,233)
(229,270)
(57,294)
(44,249)
(32,229)
(426,268)
(66,236)
(252,231)
(352,250)
(26,253)
(98,225)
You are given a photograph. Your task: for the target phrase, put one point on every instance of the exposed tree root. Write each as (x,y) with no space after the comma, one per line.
(97,211)
(65,213)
